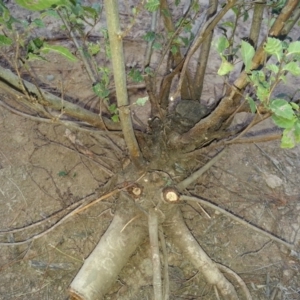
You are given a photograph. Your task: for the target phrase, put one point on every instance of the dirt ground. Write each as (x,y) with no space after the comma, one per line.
(42,171)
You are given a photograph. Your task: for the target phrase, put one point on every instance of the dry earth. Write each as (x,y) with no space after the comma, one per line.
(43,171)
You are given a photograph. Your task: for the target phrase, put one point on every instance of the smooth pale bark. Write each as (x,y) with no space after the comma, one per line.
(191,250)
(101,269)
(118,63)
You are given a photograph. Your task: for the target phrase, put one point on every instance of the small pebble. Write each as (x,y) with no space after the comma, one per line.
(50,77)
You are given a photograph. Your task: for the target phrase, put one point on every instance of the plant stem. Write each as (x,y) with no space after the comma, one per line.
(118,62)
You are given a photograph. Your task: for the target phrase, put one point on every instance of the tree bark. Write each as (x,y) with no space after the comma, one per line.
(101,269)
(184,240)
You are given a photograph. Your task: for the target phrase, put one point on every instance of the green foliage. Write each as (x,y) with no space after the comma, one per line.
(226,67)
(37,5)
(142,101)
(75,15)
(136,75)
(114,111)
(274,47)
(285,114)
(62,173)
(58,49)
(94,48)
(152,5)
(5,41)
(100,90)
(222,44)
(247,53)
(251,103)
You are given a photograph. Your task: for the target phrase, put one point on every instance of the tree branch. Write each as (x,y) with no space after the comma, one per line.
(204,53)
(257,21)
(186,90)
(228,104)
(118,62)
(203,33)
(13,84)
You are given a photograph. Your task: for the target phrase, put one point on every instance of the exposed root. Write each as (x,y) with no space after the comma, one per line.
(192,178)
(239,280)
(184,240)
(237,219)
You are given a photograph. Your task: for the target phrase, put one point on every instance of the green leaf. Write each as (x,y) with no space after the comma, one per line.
(297,131)
(59,49)
(282,122)
(5,41)
(115,118)
(245,16)
(32,56)
(136,75)
(225,68)
(262,92)
(282,108)
(228,24)
(274,47)
(157,46)
(36,5)
(39,23)
(221,44)
(195,6)
(94,48)
(62,174)
(272,67)
(283,78)
(35,45)
(174,49)
(257,77)
(292,67)
(152,5)
(90,12)
(112,108)
(294,48)
(100,90)
(185,41)
(235,10)
(247,53)
(288,139)
(295,106)
(149,36)
(142,101)
(251,104)
(51,13)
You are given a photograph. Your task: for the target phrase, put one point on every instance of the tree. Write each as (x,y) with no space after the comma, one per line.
(179,125)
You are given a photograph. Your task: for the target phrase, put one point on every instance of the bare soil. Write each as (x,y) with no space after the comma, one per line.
(42,171)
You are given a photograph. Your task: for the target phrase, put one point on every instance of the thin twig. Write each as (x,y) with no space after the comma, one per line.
(76,210)
(153,236)
(18,190)
(204,32)
(237,219)
(186,182)
(166,282)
